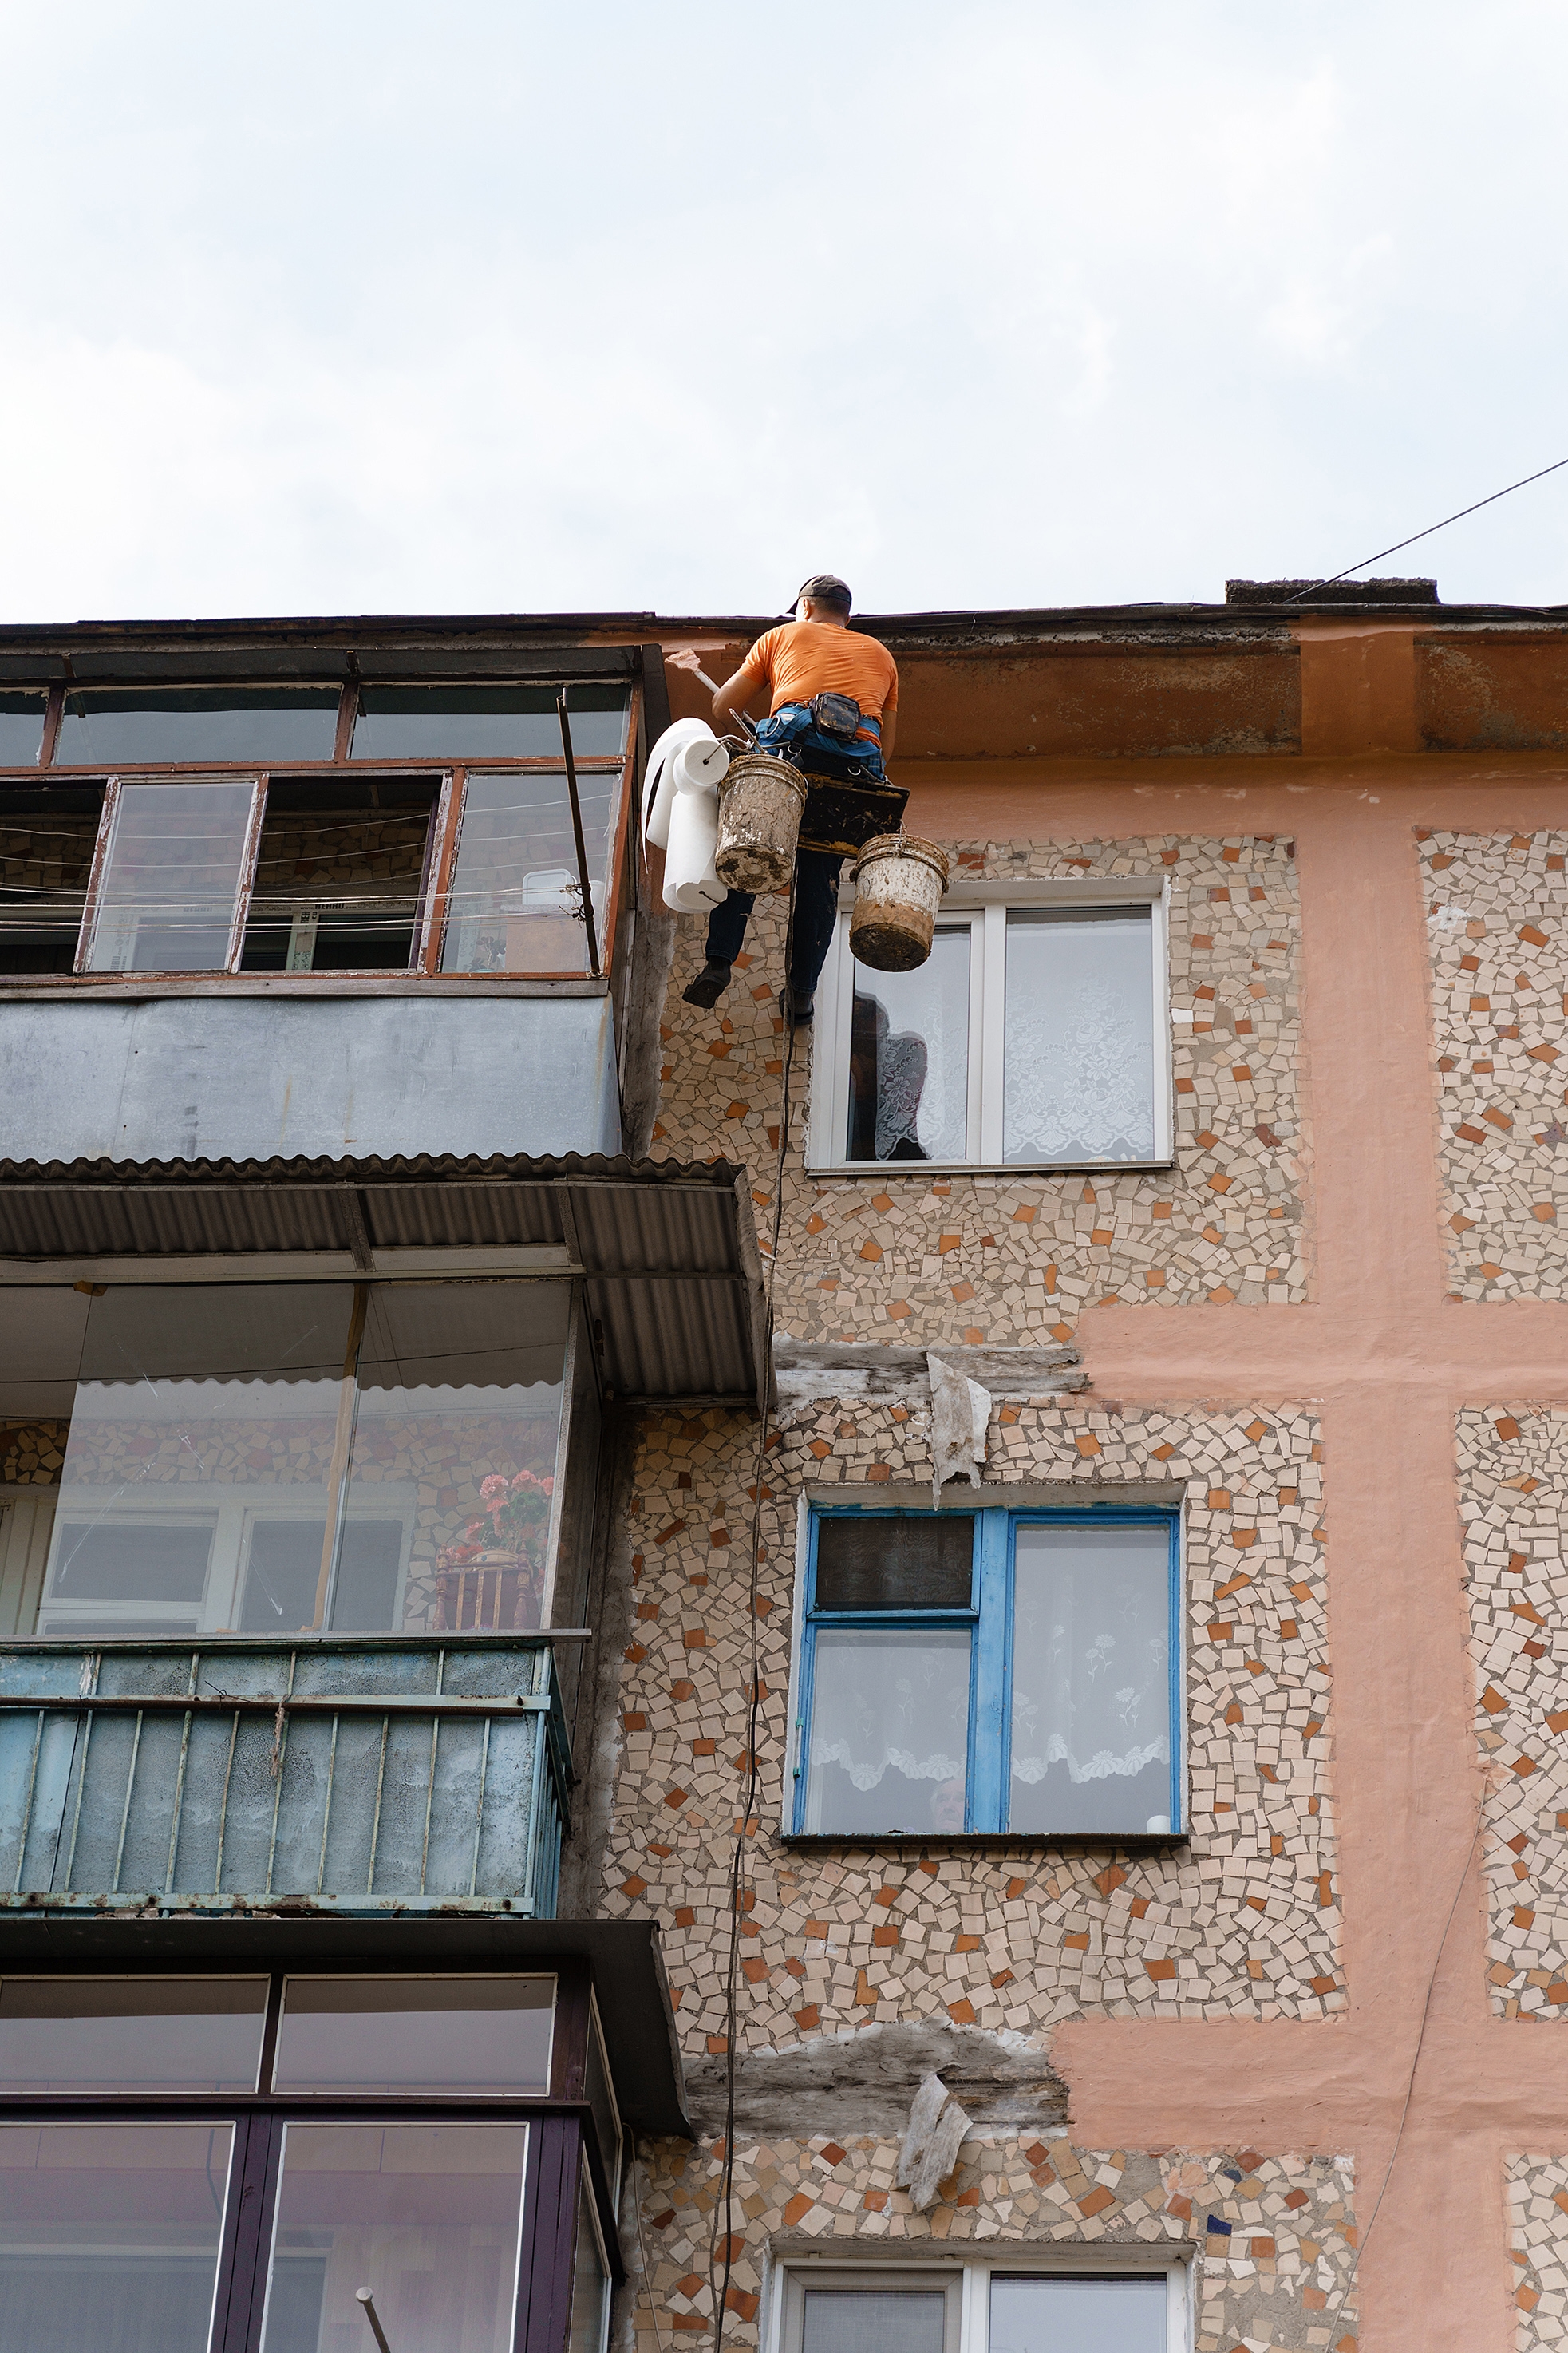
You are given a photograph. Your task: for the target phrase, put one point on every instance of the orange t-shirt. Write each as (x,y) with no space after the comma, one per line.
(801,658)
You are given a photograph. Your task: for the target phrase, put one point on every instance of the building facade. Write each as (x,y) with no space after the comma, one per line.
(519,1789)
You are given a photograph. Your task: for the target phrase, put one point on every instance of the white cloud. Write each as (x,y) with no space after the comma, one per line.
(376,309)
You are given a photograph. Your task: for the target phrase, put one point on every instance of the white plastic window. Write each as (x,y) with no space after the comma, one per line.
(1064,2301)
(1036,1035)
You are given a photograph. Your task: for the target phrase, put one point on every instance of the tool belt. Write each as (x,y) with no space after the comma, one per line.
(835,714)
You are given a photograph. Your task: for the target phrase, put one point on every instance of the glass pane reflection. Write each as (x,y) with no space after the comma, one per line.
(21,729)
(441,2037)
(222,723)
(1071,2315)
(426,2216)
(873,2320)
(1078,1047)
(289,1458)
(110,2236)
(908,1057)
(131,2034)
(487,723)
(514,889)
(169,889)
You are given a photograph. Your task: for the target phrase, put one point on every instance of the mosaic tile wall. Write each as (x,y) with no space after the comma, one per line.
(1009,1260)
(1513,1496)
(1497,923)
(1275,2234)
(1246,1921)
(1538,2241)
(31,1452)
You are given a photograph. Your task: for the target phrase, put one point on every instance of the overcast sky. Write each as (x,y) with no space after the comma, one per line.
(349,308)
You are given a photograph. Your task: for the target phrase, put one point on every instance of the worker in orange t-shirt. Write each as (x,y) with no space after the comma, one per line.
(833,699)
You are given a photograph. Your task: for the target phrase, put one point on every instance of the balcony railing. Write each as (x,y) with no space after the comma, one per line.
(381,1774)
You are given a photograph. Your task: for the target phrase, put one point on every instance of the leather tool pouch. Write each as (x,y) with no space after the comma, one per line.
(837,714)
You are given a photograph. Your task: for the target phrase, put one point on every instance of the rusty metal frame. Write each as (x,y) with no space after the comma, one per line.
(348,711)
(54,711)
(248,857)
(585,888)
(441,856)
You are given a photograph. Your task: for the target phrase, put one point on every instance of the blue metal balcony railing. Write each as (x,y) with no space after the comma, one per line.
(366,1775)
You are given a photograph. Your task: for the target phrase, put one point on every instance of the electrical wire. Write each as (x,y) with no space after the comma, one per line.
(642,2251)
(1313,587)
(724,2205)
(1334,2312)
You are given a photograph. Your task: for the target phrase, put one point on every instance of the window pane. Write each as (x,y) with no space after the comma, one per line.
(873,2320)
(459,1410)
(602,2100)
(221,723)
(1077,2316)
(1079,1034)
(425,2216)
(908,1057)
(338,877)
(138,2034)
(890,1731)
(918,1563)
(47,834)
(589,2281)
(110,2236)
(21,729)
(487,723)
(204,1415)
(1091,1702)
(176,852)
(439,2037)
(511,903)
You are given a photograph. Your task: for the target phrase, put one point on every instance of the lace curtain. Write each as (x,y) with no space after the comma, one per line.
(1090,1668)
(1078,1036)
(889,1729)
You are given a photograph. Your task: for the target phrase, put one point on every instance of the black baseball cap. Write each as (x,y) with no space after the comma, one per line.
(825,587)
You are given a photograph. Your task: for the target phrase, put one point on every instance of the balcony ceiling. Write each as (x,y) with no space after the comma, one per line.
(668,1251)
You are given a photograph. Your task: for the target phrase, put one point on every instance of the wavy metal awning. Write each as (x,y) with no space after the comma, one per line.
(667,1251)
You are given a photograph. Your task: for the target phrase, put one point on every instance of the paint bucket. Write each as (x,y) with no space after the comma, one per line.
(900,882)
(760,806)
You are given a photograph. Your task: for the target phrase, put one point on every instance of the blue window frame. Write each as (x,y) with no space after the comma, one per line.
(990,1671)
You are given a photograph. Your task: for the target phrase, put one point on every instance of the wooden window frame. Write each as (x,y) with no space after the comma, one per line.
(442,842)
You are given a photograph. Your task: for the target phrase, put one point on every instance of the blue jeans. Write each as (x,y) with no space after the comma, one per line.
(791,733)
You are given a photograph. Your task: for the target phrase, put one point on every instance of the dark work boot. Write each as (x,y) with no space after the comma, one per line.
(710,985)
(796,1009)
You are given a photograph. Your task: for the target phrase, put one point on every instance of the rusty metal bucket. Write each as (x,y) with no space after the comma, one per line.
(899,882)
(760,802)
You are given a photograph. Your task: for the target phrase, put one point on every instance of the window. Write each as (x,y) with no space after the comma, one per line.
(78,2035)
(361,865)
(384,2149)
(985,2307)
(1036,1034)
(310,1457)
(151,726)
(989,1671)
(486,723)
(48,835)
(432,2036)
(21,729)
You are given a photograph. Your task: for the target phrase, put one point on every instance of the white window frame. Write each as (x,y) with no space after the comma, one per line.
(983,905)
(968,2283)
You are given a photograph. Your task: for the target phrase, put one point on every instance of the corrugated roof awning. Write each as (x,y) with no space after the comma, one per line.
(668,1251)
